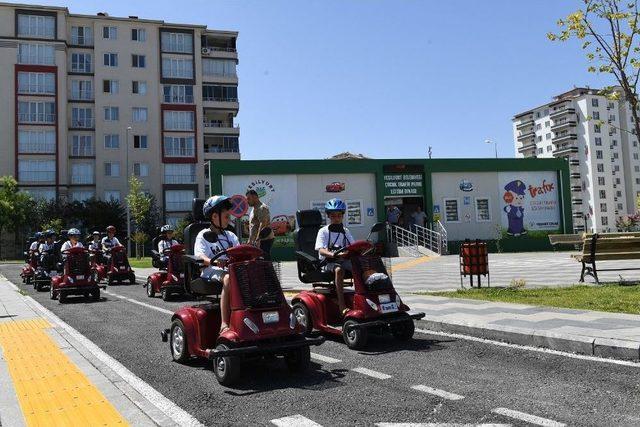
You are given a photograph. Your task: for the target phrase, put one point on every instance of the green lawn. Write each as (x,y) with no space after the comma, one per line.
(144,262)
(613,298)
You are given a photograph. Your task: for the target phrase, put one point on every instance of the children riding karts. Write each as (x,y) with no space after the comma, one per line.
(31,258)
(168,258)
(47,262)
(78,277)
(116,266)
(259,322)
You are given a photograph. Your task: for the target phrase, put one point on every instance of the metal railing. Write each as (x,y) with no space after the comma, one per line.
(25,58)
(444,240)
(218,149)
(218,99)
(36,118)
(48,147)
(82,40)
(428,239)
(219,124)
(37,176)
(180,179)
(82,123)
(179,152)
(82,95)
(220,49)
(178,99)
(404,239)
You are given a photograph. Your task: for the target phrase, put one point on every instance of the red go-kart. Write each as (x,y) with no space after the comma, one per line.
(78,278)
(373,303)
(28,271)
(116,267)
(261,323)
(170,279)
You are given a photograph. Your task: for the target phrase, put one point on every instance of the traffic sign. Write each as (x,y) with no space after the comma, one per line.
(239,205)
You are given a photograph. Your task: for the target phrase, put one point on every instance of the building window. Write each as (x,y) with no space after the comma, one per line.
(178,200)
(636,168)
(82,118)
(82,146)
(483,212)
(600,167)
(36,83)
(179,146)
(616,168)
(110,33)
(37,170)
(177,68)
(36,112)
(112,169)
(36,26)
(112,141)
(81,89)
(36,54)
(596,115)
(36,141)
(110,59)
(638,181)
(82,36)
(538,126)
(138,34)
(618,193)
(540,150)
(596,128)
(598,154)
(111,114)
(547,123)
(81,195)
(112,195)
(603,207)
(41,193)
(177,42)
(139,87)
(635,156)
(82,173)
(225,94)
(605,220)
(178,120)
(548,136)
(227,68)
(594,102)
(138,61)
(549,148)
(110,86)
(451,210)
(175,173)
(139,114)
(539,138)
(178,94)
(603,194)
(601,180)
(139,141)
(615,155)
(598,141)
(141,169)
(618,181)
(81,62)
(612,117)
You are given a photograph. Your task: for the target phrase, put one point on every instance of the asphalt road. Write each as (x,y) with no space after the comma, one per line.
(433,379)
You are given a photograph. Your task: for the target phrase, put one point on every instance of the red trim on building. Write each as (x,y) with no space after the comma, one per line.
(179,107)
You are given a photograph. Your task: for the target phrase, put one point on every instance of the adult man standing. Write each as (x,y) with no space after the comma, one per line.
(259,220)
(419,217)
(393,215)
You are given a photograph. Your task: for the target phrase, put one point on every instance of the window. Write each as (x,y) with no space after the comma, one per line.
(227,68)
(548,136)
(81,117)
(36,112)
(615,155)
(598,154)
(618,181)
(139,87)
(451,212)
(112,195)
(537,114)
(605,220)
(618,193)
(139,114)
(110,33)
(139,141)
(594,102)
(36,83)
(36,26)
(110,59)
(81,62)
(41,193)
(598,141)
(36,54)
(596,128)
(37,170)
(616,168)
(539,138)
(546,111)
(138,61)
(603,194)
(112,169)
(141,169)
(82,36)
(610,105)
(81,89)
(111,114)
(547,123)
(601,180)
(540,150)
(177,42)
(636,168)
(223,93)
(81,195)
(112,141)
(178,200)
(539,126)
(110,86)
(612,117)
(549,148)
(596,115)
(138,34)
(36,141)
(175,173)
(603,207)
(179,146)
(483,213)
(82,173)
(635,143)
(638,181)
(600,167)
(82,145)
(177,68)
(178,120)
(635,156)
(178,94)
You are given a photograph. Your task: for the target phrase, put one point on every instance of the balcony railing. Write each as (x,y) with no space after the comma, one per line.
(576,188)
(37,147)
(561,112)
(578,215)
(82,179)
(574,162)
(179,152)
(575,175)
(36,118)
(178,99)
(37,176)
(178,206)
(219,149)
(80,68)
(576,201)
(566,137)
(218,99)
(82,40)
(36,90)
(82,123)
(81,152)
(36,59)
(81,95)
(179,179)
(524,123)
(565,123)
(568,149)
(219,49)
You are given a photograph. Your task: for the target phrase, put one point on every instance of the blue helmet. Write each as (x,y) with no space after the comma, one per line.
(335,205)
(215,203)
(38,235)
(49,233)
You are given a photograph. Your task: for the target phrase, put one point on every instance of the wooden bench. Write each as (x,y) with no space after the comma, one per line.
(607,247)
(566,239)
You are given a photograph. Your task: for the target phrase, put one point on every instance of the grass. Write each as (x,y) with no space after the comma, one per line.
(615,298)
(12,261)
(144,262)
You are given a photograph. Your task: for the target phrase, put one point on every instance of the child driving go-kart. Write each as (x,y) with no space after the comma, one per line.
(73,242)
(166,242)
(216,210)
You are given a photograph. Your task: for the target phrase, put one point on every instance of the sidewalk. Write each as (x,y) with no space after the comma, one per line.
(48,371)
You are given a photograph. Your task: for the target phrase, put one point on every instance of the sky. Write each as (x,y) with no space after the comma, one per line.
(385,78)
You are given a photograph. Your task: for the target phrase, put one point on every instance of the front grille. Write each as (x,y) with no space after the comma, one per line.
(78,265)
(176,264)
(369,265)
(118,258)
(259,284)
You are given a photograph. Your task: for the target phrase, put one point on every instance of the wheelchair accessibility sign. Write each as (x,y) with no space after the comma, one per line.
(239,205)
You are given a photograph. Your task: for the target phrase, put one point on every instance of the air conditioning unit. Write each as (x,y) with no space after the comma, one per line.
(205,50)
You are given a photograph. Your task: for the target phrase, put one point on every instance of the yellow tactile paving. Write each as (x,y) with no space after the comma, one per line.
(409,264)
(52,391)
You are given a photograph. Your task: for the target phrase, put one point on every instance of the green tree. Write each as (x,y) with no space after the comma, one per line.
(181,225)
(608,30)
(55,224)
(139,205)
(14,206)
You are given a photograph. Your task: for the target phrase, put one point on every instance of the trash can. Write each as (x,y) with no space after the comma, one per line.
(474,261)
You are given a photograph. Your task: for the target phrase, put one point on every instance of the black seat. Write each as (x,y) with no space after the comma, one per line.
(155,255)
(309,270)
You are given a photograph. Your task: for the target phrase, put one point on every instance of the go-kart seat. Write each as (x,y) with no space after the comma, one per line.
(197,286)
(309,270)
(156,262)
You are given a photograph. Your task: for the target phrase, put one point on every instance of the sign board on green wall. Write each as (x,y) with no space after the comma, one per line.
(403,184)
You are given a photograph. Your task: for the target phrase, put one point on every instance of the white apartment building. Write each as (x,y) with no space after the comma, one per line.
(596,137)
(89,100)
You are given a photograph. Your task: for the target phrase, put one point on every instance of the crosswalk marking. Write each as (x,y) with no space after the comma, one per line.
(437,392)
(369,372)
(532,419)
(295,421)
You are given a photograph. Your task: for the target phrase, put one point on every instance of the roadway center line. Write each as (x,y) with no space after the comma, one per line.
(437,392)
(295,421)
(143,304)
(532,419)
(369,372)
(325,359)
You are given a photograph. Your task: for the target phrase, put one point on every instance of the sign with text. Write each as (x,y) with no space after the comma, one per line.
(403,184)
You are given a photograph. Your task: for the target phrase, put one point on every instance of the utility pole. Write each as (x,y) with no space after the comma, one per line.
(430,151)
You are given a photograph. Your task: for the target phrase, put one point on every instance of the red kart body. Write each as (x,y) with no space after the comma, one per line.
(169,281)
(29,270)
(261,321)
(78,278)
(100,269)
(371,306)
(117,268)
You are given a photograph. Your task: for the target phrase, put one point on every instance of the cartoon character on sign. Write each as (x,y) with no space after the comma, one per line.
(514,198)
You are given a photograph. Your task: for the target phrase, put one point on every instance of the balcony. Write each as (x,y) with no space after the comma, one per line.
(530,146)
(82,41)
(574,162)
(179,151)
(32,147)
(562,124)
(557,139)
(178,99)
(578,215)
(524,123)
(81,95)
(219,78)
(220,103)
(39,118)
(576,201)
(82,123)
(180,179)
(576,188)
(180,206)
(561,112)
(575,175)
(219,52)
(526,134)
(30,59)
(220,127)
(83,68)
(37,176)
(565,150)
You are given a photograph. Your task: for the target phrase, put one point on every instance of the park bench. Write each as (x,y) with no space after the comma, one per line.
(607,247)
(574,240)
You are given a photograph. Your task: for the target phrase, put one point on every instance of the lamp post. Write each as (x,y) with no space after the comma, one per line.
(495,145)
(126,176)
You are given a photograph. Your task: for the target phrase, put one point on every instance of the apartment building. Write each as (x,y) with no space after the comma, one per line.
(597,137)
(89,100)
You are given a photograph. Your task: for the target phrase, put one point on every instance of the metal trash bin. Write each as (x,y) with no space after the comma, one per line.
(474,261)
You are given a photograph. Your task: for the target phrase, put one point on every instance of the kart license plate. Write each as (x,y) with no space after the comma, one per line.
(270,317)
(122,268)
(388,308)
(53,274)
(80,277)
(384,298)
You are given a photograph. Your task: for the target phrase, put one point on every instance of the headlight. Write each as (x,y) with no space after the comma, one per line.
(251,325)
(398,300)
(372,304)
(292,321)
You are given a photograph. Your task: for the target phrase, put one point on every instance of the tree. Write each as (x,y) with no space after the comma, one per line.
(14,206)
(609,31)
(181,225)
(97,215)
(139,205)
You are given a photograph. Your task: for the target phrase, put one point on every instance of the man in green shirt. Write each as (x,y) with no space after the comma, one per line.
(260,223)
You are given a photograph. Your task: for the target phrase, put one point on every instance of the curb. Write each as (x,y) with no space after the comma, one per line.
(579,344)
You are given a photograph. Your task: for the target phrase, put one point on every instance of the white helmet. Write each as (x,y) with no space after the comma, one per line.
(166,228)
(73,232)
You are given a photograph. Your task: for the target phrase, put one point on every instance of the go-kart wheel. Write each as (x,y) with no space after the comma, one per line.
(355,338)
(226,368)
(403,331)
(150,292)
(166,296)
(52,293)
(132,279)
(298,360)
(35,285)
(62,297)
(95,295)
(301,312)
(178,342)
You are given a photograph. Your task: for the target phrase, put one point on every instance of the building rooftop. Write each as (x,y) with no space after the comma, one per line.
(347,156)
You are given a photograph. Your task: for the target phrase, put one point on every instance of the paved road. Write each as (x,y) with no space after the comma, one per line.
(434,379)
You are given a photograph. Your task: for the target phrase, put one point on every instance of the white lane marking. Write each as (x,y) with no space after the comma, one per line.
(369,372)
(157,399)
(439,425)
(532,419)
(325,359)
(529,348)
(143,304)
(437,392)
(295,421)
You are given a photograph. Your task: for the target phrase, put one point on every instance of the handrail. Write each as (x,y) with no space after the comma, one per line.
(404,239)
(444,241)
(428,238)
